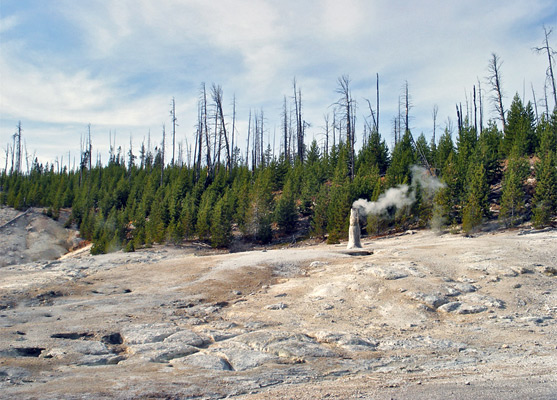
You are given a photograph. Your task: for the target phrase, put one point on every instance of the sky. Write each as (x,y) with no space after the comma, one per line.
(116,65)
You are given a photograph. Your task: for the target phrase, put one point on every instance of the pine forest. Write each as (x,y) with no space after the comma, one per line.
(228,193)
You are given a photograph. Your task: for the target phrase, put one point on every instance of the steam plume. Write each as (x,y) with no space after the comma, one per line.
(401,195)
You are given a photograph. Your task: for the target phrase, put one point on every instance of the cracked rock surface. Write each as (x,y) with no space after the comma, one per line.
(423,317)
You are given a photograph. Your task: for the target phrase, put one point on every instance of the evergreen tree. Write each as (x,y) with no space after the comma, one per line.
(319,219)
(545,197)
(512,198)
(402,159)
(259,213)
(203,225)
(519,130)
(285,211)
(444,149)
(487,152)
(476,206)
(221,228)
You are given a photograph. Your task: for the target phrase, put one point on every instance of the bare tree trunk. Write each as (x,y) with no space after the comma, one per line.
(334,127)
(206,129)
(406,107)
(233,159)
(434,114)
(545,99)
(299,124)
(7,157)
(173,115)
(247,146)
(550,53)
(475,111)
(494,68)
(346,102)
(90,146)
(326,152)
(262,152)
(535,101)
(162,154)
(377,102)
(481,106)
(285,130)
(459,119)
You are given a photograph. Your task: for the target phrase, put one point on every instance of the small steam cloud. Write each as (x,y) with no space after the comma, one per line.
(429,183)
(402,195)
(398,197)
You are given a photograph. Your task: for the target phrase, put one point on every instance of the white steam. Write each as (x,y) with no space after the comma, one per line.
(429,183)
(402,195)
(398,197)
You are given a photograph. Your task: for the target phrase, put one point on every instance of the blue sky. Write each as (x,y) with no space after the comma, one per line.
(117,64)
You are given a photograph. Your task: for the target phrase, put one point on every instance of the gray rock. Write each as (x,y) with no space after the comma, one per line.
(470,309)
(458,307)
(148,333)
(162,352)
(450,307)
(451,292)
(218,335)
(76,347)
(202,360)
(483,300)
(465,287)
(285,344)
(13,373)
(431,300)
(547,270)
(241,358)
(347,341)
(88,347)
(387,273)
(277,306)
(186,337)
(522,270)
(106,359)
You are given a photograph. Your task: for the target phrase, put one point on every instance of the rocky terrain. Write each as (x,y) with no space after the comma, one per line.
(424,316)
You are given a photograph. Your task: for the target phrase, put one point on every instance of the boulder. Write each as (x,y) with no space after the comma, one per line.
(148,333)
(202,360)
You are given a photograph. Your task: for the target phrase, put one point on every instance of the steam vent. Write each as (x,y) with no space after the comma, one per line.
(354,230)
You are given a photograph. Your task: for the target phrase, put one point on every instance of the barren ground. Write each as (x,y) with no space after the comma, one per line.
(425,316)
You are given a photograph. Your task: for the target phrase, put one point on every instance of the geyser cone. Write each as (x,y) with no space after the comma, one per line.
(354,230)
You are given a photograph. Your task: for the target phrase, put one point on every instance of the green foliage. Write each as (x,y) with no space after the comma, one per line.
(476,206)
(259,214)
(285,211)
(374,154)
(545,198)
(127,206)
(444,149)
(319,221)
(402,159)
(520,129)
(221,228)
(512,198)
(487,152)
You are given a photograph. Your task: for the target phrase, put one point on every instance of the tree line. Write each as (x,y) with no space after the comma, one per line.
(222,195)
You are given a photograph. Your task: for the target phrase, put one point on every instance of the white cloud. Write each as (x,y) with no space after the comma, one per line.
(135,55)
(8,23)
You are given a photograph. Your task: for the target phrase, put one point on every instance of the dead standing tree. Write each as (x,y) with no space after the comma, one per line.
(286,129)
(347,103)
(299,122)
(494,69)
(220,125)
(550,54)
(173,115)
